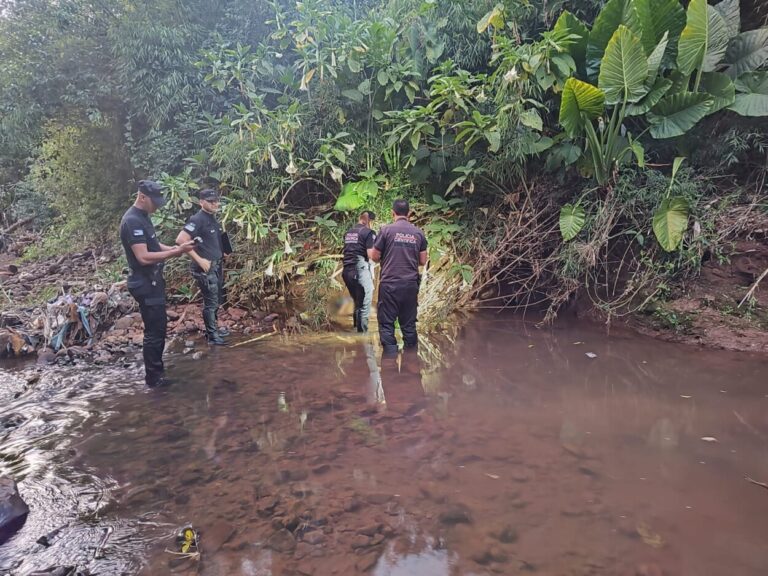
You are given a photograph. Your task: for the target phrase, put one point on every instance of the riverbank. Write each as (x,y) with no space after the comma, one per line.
(75,307)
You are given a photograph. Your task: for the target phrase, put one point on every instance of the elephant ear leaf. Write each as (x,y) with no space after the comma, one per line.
(613,14)
(752,95)
(731,14)
(580,101)
(747,52)
(624,68)
(575,34)
(572,220)
(670,222)
(675,115)
(704,39)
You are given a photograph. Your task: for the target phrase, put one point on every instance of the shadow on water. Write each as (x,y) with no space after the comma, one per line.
(506,450)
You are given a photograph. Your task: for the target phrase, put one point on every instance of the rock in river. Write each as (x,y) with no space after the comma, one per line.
(13,510)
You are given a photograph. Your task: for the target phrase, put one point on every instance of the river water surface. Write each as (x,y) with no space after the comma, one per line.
(504,450)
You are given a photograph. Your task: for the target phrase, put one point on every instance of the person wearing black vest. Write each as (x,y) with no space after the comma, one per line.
(207,261)
(357,275)
(146,257)
(401,248)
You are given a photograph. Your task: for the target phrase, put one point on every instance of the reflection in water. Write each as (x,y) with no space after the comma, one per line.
(428,562)
(401,381)
(508,452)
(374,390)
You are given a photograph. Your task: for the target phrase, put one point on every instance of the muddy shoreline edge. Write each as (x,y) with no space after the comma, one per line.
(66,308)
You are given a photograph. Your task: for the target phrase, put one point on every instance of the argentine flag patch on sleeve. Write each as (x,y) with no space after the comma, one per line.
(190,227)
(138,232)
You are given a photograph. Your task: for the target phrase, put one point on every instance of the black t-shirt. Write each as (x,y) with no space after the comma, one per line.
(400,244)
(208,229)
(357,241)
(137,228)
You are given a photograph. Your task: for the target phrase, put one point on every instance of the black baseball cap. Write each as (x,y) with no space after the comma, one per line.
(153,190)
(209,194)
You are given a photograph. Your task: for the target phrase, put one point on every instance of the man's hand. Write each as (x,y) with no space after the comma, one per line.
(186,247)
(205,264)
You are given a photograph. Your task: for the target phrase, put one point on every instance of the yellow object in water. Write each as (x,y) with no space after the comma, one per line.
(649,536)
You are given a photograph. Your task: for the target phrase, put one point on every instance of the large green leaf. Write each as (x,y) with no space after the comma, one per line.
(532,119)
(752,97)
(721,88)
(717,40)
(747,52)
(624,68)
(655,58)
(750,105)
(670,222)
(572,220)
(579,100)
(568,26)
(493,18)
(614,14)
(704,39)
(668,16)
(355,194)
(658,91)
(755,83)
(648,31)
(729,11)
(678,113)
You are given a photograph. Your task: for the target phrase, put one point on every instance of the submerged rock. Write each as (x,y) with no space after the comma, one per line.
(282,541)
(61,571)
(456,514)
(13,510)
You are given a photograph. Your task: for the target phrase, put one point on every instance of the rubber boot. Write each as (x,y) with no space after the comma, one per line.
(389,350)
(211,330)
(222,332)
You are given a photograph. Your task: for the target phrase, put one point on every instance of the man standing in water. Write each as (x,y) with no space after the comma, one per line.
(402,248)
(207,266)
(146,257)
(357,275)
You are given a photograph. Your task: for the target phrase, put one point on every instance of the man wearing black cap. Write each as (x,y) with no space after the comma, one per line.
(358,245)
(146,255)
(402,248)
(207,266)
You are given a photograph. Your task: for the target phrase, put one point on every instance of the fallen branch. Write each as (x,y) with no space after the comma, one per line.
(748,295)
(15,225)
(748,479)
(255,339)
(749,426)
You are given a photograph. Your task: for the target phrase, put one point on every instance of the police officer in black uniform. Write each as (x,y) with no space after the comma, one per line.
(357,275)
(146,284)
(207,261)
(402,248)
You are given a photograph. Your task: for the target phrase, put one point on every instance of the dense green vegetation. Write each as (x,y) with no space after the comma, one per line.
(547,147)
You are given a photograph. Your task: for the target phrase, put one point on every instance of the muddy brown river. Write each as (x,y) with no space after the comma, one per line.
(506,449)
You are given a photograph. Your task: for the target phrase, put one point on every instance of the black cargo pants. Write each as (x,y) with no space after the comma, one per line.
(149,292)
(398,302)
(211,286)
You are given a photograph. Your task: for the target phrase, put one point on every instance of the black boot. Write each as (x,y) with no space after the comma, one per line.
(223,332)
(211,330)
(389,350)
(216,340)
